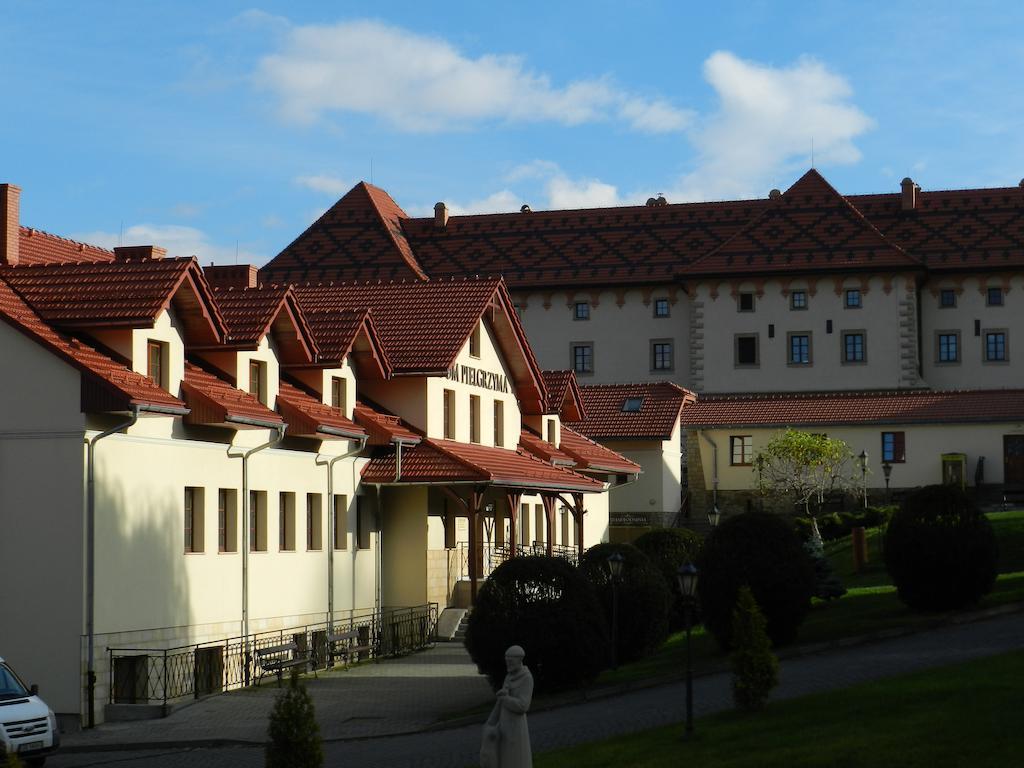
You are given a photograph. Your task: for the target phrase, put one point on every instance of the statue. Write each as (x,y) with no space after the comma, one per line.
(506,738)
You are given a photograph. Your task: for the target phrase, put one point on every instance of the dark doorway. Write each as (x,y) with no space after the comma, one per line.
(209,670)
(1013,460)
(130,680)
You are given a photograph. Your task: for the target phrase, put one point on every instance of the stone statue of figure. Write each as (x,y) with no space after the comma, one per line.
(506,739)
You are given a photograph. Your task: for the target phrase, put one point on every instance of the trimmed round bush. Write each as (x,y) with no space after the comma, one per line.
(644,598)
(940,550)
(764,552)
(545,605)
(669,548)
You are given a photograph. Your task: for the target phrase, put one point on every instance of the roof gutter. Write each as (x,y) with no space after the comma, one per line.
(250,422)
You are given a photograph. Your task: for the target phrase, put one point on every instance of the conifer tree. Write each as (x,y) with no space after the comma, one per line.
(755,668)
(293,731)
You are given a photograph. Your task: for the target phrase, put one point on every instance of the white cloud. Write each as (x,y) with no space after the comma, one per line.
(420,83)
(187,210)
(177,239)
(764,125)
(329,185)
(564,192)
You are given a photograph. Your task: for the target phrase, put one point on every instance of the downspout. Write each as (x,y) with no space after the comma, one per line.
(90,559)
(329,463)
(244,456)
(714,468)
(379,502)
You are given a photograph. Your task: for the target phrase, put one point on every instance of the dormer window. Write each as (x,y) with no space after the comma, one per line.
(156,363)
(632,405)
(551,431)
(474,342)
(338,393)
(258,380)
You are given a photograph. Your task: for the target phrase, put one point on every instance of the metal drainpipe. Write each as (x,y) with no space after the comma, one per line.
(90,558)
(245,533)
(330,524)
(714,468)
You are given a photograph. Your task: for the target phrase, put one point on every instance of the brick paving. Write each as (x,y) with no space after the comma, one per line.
(432,682)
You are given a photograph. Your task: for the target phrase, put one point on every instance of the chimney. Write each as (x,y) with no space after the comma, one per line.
(10,205)
(138,252)
(440,215)
(910,190)
(775,194)
(231,276)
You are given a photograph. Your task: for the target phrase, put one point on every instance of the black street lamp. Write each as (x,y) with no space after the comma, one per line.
(615,563)
(714,516)
(687,576)
(887,469)
(864,475)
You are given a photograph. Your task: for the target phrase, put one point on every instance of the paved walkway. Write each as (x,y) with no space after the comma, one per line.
(457,747)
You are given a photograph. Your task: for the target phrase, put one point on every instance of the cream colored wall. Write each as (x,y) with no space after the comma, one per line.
(887,318)
(320,380)
(656,491)
(925,445)
(621,326)
(972,371)
(404,542)
(42,513)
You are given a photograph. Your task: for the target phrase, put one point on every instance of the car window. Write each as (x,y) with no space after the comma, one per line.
(10,686)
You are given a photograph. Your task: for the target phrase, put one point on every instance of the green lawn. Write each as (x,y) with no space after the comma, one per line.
(964,715)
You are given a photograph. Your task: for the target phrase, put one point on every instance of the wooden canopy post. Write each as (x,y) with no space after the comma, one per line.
(549,520)
(512,499)
(576,506)
(472,509)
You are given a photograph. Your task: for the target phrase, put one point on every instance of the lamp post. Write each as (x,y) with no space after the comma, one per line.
(615,563)
(714,516)
(864,475)
(887,470)
(687,576)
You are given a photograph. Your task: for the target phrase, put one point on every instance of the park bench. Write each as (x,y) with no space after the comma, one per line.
(277,658)
(346,645)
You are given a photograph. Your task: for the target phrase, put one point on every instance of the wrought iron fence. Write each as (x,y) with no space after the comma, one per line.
(165,675)
(490,557)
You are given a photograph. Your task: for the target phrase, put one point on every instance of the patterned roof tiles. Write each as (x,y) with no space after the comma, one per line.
(217,402)
(37,247)
(308,417)
(654,419)
(881,407)
(252,313)
(564,395)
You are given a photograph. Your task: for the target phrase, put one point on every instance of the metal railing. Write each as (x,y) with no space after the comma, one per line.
(491,556)
(161,676)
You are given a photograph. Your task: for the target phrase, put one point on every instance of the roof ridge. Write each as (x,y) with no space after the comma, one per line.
(32,231)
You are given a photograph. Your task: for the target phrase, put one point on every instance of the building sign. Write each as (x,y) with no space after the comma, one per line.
(478,377)
(629,519)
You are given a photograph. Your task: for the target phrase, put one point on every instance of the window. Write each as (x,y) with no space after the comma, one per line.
(853,347)
(799,349)
(948,347)
(340,521)
(994,297)
(156,363)
(314,523)
(339,393)
(947,298)
(746,350)
(564,534)
(258,380)
(474,341)
(745,302)
(449,414)
(363,522)
(852,298)
(995,347)
(474,418)
(662,308)
(798,300)
(227,520)
(581,310)
(286,522)
(499,424)
(583,357)
(632,404)
(552,431)
(257,521)
(539,524)
(661,355)
(741,450)
(194,528)
(524,525)
(894,447)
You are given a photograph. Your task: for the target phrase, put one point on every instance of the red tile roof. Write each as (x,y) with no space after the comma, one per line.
(533,443)
(594,456)
(216,402)
(449,461)
(383,428)
(359,238)
(661,403)
(252,313)
(344,333)
(883,407)
(564,395)
(113,386)
(37,247)
(308,417)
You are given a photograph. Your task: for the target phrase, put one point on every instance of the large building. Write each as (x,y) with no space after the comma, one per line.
(907,299)
(193,465)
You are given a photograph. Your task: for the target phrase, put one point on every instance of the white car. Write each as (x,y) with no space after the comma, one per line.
(27,726)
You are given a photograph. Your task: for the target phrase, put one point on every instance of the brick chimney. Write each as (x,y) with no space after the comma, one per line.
(440,215)
(910,190)
(138,252)
(10,206)
(231,276)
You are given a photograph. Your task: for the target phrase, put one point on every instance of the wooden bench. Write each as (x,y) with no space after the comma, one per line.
(277,658)
(345,645)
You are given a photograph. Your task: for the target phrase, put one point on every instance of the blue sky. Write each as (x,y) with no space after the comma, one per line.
(218,127)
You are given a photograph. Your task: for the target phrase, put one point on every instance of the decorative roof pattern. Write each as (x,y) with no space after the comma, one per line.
(216,402)
(308,417)
(655,417)
(881,407)
(593,456)
(36,247)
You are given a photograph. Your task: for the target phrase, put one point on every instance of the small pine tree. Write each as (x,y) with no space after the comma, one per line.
(755,668)
(293,730)
(827,585)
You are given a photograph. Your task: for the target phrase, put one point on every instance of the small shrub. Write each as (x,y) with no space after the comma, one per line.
(873,517)
(827,585)
(293,731)
(644,598)
(755,670)
(940,550)
(832,526)
(545,605)
(763,551)
(669,548)
(804,527)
